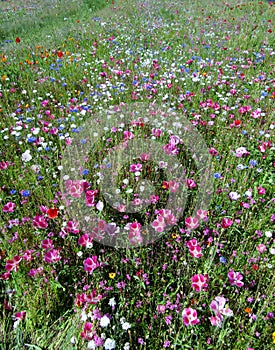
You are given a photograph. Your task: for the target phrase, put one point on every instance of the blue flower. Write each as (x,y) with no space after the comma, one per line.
(223,260)
(217,175)
(25,193)
(85,172)
(12,192)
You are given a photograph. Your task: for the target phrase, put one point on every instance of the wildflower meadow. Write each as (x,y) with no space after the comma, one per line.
(137,175)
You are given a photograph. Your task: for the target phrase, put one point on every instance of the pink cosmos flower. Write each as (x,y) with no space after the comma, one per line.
(90,264)
(190,317)
(9,207)
(199,282)
(235,278)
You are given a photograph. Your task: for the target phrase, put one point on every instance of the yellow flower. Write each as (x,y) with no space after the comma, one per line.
(273,337)
(112,275)
(174,235)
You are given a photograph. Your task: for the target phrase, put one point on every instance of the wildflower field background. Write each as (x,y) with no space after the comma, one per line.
(195,78)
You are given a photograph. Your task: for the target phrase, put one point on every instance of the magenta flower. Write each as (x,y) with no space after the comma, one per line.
(9,207)
(192,223)
(202,214)
(90,198)
(135,167)
(52,256)
(90,264)
(199,282)
(261,190)
(39,221)
(261,248)
(135,227)
(226,222)
(191,183)
(85,240)
(135,238)
(13,263)
(159,224)
(217,306)
(241,151)
(88,332)
(47,244)
(190,317)
(235,278)
(20,315)
(75,187)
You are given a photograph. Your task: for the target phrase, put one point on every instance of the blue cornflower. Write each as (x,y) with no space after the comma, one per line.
(85,172)
(217,175)
(25,193)
(253,162)
(12,192)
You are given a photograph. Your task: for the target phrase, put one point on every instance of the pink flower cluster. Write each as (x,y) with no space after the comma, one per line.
(217,306)
(194,248)
(164,218)
(190,317)
(235,278)
(199,282)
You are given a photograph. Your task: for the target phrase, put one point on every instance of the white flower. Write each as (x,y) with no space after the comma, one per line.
(83,316)
(126,346)
(268,234)
(112,302)
(26,156)
(126,326)
(109,344)
(16,323)
(234,196)
(104,322)
(272,251)
(73,340)
(99,206)
(91,344)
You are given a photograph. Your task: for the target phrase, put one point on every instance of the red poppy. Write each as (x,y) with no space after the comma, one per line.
(60,54)
(52,213)
(237,122)
(17,40)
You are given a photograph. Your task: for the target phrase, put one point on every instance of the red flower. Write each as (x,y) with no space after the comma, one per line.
(17,40)
(237,122)
(60,54)
(52,213)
